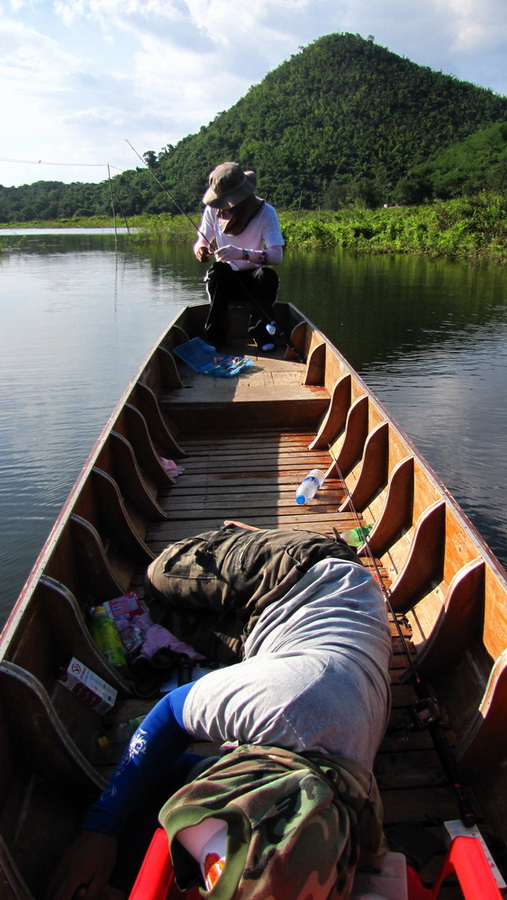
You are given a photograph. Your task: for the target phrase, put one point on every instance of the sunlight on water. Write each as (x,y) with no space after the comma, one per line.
(452,401)
(430,339)
(74,328)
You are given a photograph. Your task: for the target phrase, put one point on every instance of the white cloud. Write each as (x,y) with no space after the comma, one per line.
(24,55)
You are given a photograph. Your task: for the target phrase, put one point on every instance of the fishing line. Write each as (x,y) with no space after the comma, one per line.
(43,162)
(166,191)
(271,326)
(425,712)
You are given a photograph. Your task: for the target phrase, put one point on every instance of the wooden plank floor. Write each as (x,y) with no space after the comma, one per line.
(248,471)
(272,391)
(251,476)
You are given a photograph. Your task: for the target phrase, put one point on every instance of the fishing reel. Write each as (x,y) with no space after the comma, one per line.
(424,713)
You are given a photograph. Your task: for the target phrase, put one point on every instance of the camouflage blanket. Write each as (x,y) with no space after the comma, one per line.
(298,825)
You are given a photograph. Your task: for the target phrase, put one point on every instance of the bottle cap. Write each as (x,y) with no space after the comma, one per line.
(213,868)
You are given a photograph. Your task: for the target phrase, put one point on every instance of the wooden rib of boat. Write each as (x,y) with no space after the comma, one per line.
(245,444)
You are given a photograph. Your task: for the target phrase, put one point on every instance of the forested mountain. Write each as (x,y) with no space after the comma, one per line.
(344,119)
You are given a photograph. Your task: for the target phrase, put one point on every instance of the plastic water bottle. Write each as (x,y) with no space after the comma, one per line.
(120,734)
(309,487)
(356,536)
(207,843)
(105,634)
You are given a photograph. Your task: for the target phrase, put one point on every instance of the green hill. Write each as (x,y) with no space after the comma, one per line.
(343,119)
(477,163)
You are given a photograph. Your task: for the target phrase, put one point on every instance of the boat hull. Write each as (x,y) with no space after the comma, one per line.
(245,443)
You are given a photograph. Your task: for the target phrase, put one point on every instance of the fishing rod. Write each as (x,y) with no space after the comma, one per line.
(271,327)
(425,712)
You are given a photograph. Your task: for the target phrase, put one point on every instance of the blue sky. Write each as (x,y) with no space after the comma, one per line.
(80,78)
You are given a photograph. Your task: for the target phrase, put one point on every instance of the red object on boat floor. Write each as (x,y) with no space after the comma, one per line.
(467,861)
(155,879)
(156,874)
(465,858)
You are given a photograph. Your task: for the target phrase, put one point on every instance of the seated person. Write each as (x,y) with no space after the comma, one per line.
(306,709)
(246,238)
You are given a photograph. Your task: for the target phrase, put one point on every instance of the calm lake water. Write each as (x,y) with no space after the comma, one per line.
(78,315)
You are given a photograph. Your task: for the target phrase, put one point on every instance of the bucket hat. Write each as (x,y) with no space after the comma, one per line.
(228,186)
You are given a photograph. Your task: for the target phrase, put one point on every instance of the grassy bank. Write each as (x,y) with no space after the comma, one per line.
(468,228)
(471,228)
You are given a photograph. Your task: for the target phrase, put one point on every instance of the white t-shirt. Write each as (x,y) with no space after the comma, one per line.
(315,675)
(262,231)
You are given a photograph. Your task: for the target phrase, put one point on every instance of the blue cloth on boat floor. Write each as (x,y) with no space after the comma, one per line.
(203,358)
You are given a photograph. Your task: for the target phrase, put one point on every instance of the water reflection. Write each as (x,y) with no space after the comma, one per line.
(79,314)
(430,338)
(383,307)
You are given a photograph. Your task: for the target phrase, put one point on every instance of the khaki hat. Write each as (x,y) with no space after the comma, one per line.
(228,186)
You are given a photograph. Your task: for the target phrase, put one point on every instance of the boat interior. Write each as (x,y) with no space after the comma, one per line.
(244,444)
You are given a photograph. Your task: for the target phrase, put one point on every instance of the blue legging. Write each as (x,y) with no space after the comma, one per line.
(148,763)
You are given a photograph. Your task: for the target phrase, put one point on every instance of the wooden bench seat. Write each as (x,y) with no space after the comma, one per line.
(259,398)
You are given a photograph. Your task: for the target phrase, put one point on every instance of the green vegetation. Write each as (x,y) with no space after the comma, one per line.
(105,221)
(165,226)
(478,163)
(344,120)
(473,228)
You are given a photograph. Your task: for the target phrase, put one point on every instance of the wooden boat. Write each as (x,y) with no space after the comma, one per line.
(245,443)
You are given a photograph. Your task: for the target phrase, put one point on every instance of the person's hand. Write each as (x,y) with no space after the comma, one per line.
(228,253)
(241,525)
(202,254)
(85,869)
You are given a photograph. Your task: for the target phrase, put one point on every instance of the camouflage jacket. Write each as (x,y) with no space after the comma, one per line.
(298,825)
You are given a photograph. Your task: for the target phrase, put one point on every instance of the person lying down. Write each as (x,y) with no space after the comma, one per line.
(299,718)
